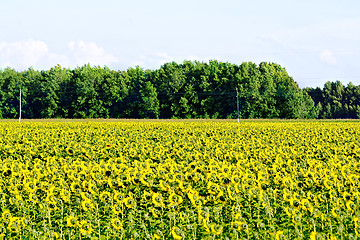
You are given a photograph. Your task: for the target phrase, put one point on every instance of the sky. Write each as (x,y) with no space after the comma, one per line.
(314,40)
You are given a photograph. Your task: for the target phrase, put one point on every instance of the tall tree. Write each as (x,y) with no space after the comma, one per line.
(149,106)
(10,84)
(32,97)
(333,93)
(351,101)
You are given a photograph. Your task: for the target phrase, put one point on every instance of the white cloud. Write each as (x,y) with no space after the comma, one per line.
(22,54)
(328,57)
(34,53)
(89,52)
(152,60)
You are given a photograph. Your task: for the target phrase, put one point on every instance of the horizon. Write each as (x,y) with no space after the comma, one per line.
(153,69)
(315,41)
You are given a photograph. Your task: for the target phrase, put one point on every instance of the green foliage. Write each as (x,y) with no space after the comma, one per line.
(10,82)
(186,90)
(336,100)
(150,102)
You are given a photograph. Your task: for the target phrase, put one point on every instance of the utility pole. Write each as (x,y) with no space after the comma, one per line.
(237,103)
(20,107)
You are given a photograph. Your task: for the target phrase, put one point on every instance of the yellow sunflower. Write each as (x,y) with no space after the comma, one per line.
(279,235)
(71,221)
(116,224)
(85,227)
(176,233)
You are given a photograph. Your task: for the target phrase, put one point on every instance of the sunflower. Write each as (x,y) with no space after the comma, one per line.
(156,236)
(287,196)
(231,188)
(164,186)
(279,235)
(175,199)
(85,227)
(75,187)
(238,225)
(147,196)
(65,195)
(212,188)
(296,219)
(33,198)
(335,212)
(85,184)
(14,224)
(295,203)
(16,200)
(203,214)
(71,221)
(130,202)
(205,224)
(235,179)
(93,189)
(313,235)
(119,197)
(306,205)
(116,224)
(6,215)
(289,211)
(155,212)
(356,221)
(176,233)
(87,205)
(54,235)
(117,209)
(30,186)
(105,196)
(350,205)
(216,228)
(50,199)
(85,196)
(157,200)
(182,216)
(221,197)
(70,151)
(114,183)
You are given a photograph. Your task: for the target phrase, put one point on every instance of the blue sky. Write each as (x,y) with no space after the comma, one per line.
(315,40)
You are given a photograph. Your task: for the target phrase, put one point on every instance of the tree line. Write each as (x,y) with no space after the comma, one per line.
(335,100)
(190,89)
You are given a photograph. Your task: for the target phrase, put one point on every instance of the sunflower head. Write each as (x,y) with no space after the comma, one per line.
(85,227)
(6,215)
(279,235)
(177,233)
(116,224)
(71,221)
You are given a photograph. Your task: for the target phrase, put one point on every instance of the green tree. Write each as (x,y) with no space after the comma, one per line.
(267,92)
(53,94)
(133,102)
(333,93)
(169,81)
(10,84)
(249,85)
(352,100)
(92,92)
(149,108)
(32,91)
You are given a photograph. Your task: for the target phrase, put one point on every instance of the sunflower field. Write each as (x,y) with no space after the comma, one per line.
(180,180)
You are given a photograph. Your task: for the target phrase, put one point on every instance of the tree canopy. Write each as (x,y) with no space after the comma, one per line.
(191,89)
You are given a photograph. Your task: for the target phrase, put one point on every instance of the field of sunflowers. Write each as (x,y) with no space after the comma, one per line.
(180,180)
